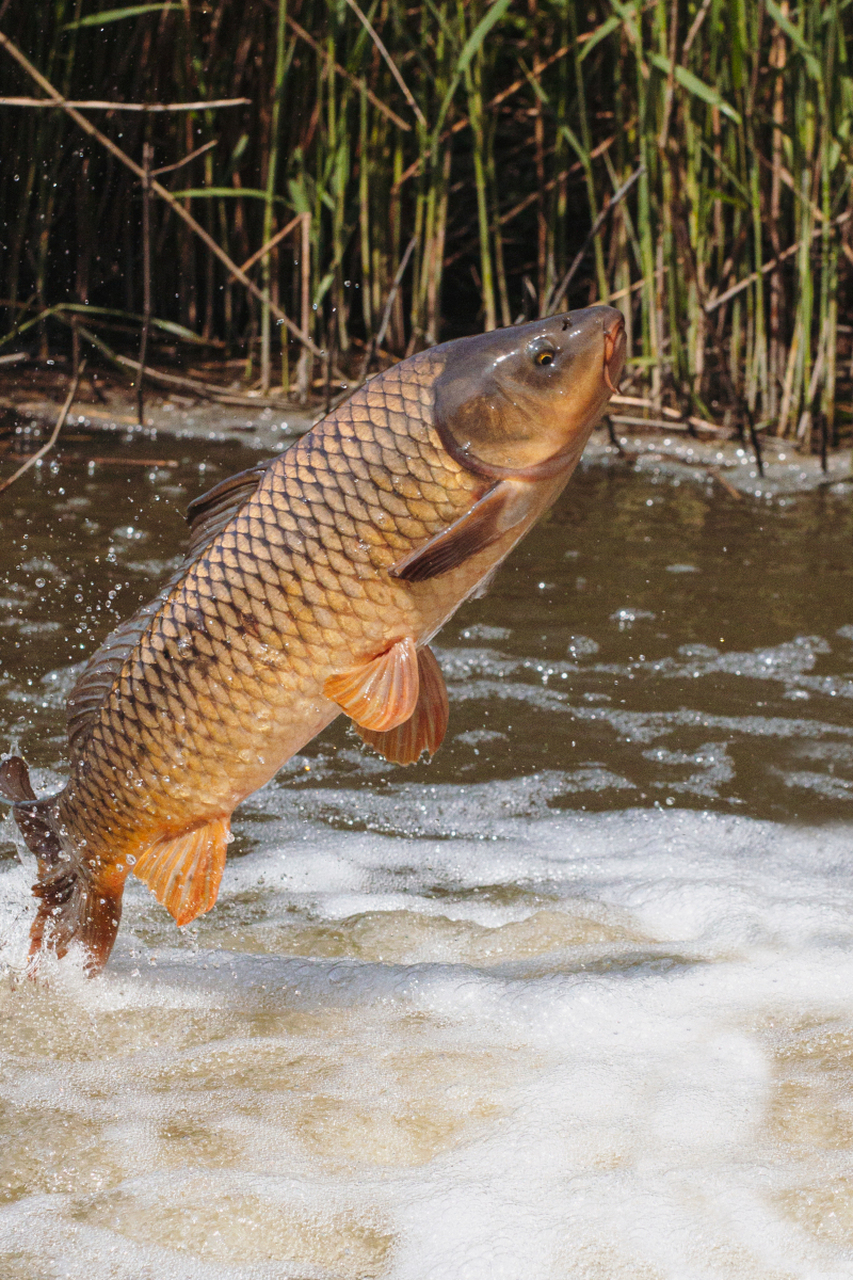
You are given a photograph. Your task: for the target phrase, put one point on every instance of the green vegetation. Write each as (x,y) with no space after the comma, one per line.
(494,135)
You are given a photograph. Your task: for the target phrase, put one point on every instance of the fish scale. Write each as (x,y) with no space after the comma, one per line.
(312,586)
(303,562)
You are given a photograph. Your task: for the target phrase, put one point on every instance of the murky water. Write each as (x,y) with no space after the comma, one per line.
(575,1000)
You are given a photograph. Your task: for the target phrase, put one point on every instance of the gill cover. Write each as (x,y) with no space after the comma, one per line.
(521,402)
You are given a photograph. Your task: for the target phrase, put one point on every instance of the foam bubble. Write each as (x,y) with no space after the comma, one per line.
(551,1043)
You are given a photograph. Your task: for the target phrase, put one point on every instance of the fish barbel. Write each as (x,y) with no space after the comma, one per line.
(312,585)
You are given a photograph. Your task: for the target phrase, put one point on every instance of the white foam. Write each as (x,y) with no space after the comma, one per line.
(548,1045)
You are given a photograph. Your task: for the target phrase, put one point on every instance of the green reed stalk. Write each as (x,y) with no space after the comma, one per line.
(526,119)
(584,153)
(269,205)
(364,211)
(472,75)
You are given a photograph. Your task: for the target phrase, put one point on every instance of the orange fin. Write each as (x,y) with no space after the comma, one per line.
(184,872)
(504,506)
(382,693)
(425,728)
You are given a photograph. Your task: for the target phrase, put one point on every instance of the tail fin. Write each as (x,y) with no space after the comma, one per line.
(70,907)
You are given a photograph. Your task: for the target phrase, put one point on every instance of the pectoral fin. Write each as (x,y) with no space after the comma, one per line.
(382,693)
(505,505)
(427,725)
(184,872)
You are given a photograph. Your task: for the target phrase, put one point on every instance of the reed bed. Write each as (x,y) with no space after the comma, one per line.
(442,166)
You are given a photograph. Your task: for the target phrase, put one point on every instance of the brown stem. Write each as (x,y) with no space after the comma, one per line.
(147,151)
(395,70)
(303,371)
(159,190)
(97,105)
(378,338)
(356,80)
(204,389)
(556,294)
(270,244)
(60,422)
(766,267)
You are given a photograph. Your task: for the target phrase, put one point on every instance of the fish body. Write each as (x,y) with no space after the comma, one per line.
(312,586)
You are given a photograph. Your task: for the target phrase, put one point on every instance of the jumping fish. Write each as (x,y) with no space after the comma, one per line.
(312,586)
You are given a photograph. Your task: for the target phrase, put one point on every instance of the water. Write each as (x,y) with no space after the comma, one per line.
(575,1000)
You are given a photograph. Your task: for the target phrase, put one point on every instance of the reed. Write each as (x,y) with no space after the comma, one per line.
(493,135)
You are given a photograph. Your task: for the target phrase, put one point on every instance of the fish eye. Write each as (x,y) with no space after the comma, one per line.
(544,357)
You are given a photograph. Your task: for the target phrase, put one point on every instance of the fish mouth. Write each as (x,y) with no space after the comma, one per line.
(614,353)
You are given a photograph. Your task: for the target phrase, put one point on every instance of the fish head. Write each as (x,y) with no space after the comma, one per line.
(525,399)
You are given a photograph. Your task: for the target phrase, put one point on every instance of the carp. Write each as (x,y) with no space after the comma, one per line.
(312,586)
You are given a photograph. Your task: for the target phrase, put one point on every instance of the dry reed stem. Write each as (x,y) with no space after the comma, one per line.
(60,422)
(558,292)
(146,107)
(354,80)
(270,244)
(767,267)
(395,70)
(159,190)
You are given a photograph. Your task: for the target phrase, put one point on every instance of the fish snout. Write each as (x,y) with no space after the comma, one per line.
(581,336)
(614,349)
(524,399)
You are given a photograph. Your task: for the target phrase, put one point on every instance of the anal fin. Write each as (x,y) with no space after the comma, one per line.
(504,506)
(426,726)
(184,872)
(381,693)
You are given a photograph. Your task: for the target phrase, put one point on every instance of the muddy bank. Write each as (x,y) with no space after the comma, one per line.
(31,399)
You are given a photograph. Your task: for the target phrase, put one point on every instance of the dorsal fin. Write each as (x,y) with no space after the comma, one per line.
(207,516)
(98,677)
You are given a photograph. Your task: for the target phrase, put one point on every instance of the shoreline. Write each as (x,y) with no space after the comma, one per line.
(666,452)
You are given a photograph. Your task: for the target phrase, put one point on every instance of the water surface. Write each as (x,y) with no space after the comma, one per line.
(572,1001)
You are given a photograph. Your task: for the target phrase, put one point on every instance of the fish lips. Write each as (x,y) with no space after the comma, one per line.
(522,401)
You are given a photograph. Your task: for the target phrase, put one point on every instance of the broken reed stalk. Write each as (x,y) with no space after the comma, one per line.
(94,459)
(767,267)
(269,202)
(271,243)
(355,80)
(206,390)
(54,435)
(303,369)
(395,71)
(558,293)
